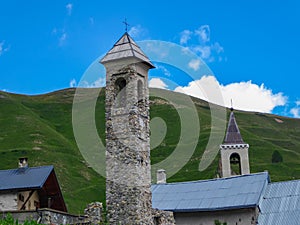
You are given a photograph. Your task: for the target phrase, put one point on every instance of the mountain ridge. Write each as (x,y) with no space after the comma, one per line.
(40,127)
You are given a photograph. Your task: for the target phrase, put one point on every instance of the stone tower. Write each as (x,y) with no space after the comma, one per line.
(234,151)
(128,170)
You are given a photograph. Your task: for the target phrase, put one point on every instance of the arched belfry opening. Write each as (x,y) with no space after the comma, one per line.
(120,86)
(235,164)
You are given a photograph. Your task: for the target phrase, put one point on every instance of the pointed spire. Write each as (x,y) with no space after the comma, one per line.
(126,47)
(233,135)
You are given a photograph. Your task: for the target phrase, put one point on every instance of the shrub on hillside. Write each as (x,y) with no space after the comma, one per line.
(276,157)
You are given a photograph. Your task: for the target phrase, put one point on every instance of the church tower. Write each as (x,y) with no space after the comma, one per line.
(128,170)
(234,151)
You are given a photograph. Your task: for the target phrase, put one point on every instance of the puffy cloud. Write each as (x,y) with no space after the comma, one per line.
(157,83)
(245,95)
(296,110)
(69,8)
(73,83)
(195,64)
(185,36)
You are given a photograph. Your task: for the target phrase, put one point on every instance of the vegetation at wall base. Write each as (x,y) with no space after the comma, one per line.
(9,220)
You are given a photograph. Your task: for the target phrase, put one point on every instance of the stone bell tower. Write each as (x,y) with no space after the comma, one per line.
(128,170)
(234,151)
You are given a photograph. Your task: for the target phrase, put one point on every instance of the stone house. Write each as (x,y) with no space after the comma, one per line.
(30,188)
(33,193)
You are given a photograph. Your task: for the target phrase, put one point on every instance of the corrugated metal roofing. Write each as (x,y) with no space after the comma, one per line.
(210,195)
(280,204)
(24,178)
(126,47)
(233,135)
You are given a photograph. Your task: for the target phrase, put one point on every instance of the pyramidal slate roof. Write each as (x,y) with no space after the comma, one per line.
(233,135)
(126,47)
(24,178)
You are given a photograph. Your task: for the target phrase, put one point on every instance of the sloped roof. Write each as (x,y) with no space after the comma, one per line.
(280,204)
(233,135)
(126,47)
(210,195)
(24,178)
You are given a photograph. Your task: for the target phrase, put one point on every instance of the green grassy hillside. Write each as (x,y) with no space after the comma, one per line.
(40,127)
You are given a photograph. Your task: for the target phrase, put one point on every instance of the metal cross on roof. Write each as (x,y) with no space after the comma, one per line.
(126,24)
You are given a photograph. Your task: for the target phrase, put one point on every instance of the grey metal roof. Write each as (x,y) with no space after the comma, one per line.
(24,178)
(126,47)
(233,135)
(210,195)
(280,204)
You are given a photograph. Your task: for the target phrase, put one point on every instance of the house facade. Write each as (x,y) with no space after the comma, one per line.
(30,188)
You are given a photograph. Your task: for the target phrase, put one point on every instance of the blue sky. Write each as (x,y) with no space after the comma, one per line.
(251,46)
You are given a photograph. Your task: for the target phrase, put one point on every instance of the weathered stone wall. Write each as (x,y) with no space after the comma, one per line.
(162,217)
(93,213)
(46,216)
(8,201)
(128,172)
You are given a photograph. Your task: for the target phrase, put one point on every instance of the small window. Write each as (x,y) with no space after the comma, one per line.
(140,90)
(21,197)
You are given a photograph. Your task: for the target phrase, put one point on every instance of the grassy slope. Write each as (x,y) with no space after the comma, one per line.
(41,128)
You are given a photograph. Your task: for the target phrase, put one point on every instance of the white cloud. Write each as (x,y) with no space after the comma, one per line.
(73,83)
(3,48)
(97,83)
(185,36)
(203,32)
(157,83)
(217,47)
(204,51)
(195,64)
(62,38)
(163,69)
(245,95)
(200,43)
(295,112)
(137,31)
(61,35)
(69,8)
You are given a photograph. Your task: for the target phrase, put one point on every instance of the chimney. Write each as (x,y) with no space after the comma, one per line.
(161,176)
(23,162)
